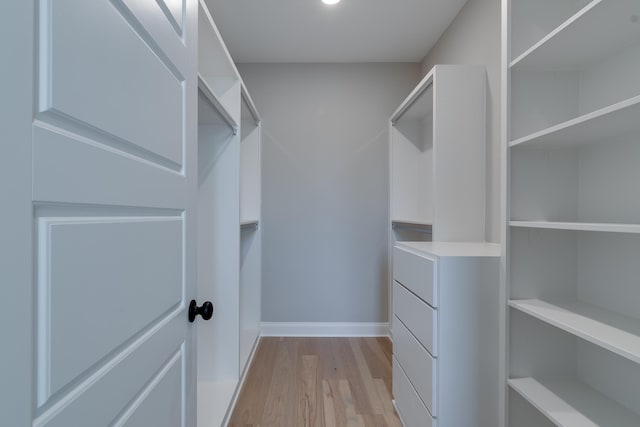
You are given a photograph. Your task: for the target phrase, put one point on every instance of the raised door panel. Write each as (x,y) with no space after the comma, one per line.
(416,273)
(73,169)
(98,72)
(159,404)
(101,281)
(99,401)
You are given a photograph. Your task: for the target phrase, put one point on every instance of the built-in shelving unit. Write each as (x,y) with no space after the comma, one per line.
(228,255)
(572,208)
(250,232)
(437,166)
(426,140)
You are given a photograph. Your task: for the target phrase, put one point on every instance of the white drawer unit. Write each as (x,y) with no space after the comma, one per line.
(417,363)
(409,406)
(417,274)
(418,316)
(446,333)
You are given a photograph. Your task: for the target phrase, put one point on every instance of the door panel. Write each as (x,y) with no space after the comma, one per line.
(98,70)
(101,281)
(100,398)
(163,21)
(73,169)
(159,405)
(112,167)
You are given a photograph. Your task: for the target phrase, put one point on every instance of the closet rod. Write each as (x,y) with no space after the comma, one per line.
(415,94)
(420,228)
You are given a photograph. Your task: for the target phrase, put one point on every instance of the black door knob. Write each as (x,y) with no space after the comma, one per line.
(206,310)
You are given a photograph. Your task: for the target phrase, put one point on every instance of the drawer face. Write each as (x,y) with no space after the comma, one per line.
(412,411)
(417,363)
(416,273)
(417,315)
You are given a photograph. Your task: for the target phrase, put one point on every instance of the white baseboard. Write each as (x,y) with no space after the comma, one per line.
(324,329)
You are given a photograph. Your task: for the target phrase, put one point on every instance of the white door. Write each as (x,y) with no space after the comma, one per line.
(98,184)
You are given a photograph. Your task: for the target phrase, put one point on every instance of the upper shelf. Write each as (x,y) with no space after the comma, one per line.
(211,111)
(617,119)
(419,103)
(595,30)
(611,331)
(578,226)
(215,65)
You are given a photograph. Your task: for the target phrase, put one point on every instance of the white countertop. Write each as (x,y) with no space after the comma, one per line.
(452,249)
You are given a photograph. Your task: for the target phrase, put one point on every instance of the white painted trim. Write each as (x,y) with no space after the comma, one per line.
(324,329)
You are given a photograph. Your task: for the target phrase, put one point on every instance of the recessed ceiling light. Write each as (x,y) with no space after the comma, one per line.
(330,1)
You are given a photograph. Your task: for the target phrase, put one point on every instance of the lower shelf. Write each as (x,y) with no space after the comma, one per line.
(616,333)
(214,400)
(570,403)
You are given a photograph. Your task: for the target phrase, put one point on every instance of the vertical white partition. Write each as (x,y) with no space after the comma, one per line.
(250,244)
(572,138)
(228,234)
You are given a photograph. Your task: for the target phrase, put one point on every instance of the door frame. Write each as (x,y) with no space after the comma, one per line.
(17,84)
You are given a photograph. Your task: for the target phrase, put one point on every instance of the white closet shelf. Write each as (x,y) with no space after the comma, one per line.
(596,29)
(617,119)
(611,331)
(578,226)
(218,107)
(570,403)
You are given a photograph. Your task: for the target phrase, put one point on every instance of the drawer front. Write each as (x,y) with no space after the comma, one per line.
(410,408)
(417,363)
(417,315)
(416,273)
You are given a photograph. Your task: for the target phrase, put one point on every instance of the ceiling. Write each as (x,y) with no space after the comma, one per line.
(350,31)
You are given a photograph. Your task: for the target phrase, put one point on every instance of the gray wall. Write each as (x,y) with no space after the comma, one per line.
(325,187)
(474,38)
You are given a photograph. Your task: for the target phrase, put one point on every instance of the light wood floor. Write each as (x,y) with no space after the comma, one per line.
(314,382)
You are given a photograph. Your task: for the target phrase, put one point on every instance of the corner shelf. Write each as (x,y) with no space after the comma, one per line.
(570,403)
(611,331)
(579,226)
(617,119)
(593,31)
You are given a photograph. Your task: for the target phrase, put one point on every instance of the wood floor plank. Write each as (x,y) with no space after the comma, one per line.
(390,415)
(352,374)
(307,407)
(353,418)
(328,405)
(365,376)
(255,391)
(318,382)
(279,410)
